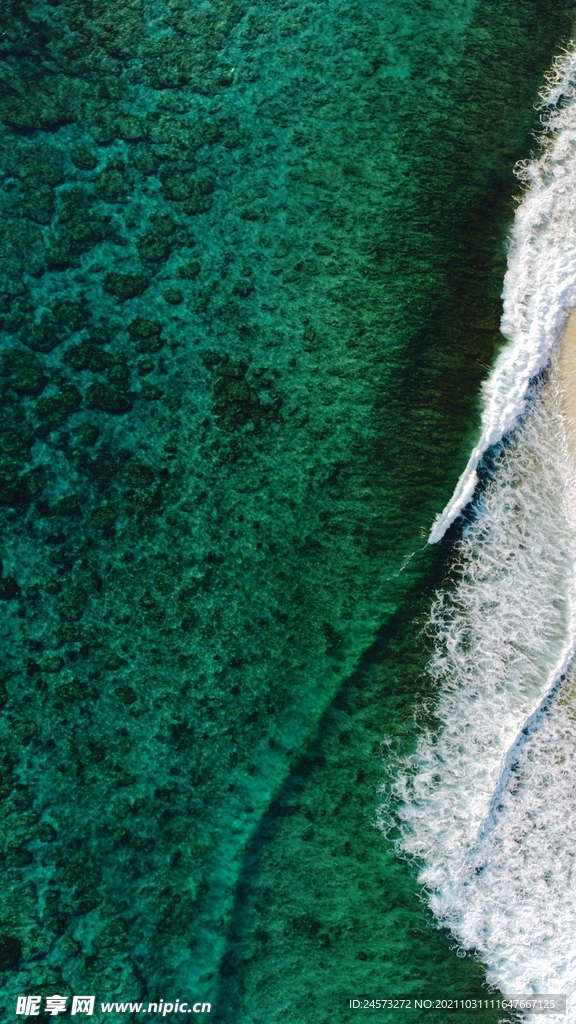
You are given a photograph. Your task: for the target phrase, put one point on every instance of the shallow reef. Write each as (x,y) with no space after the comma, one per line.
(249,280)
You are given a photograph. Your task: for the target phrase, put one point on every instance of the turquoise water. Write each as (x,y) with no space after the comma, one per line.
(251,272)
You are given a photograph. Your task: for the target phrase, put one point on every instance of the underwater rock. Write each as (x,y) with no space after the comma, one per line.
(178,185)
(68,506)
(130,128)
(9,588)
(145,366)
(145,162)
(98,335)
(111,185)
(146,335)
(163,225)
(52,664)
(41,164)
(116,365)
(87,434)
(125,286)
(150,393)
(41,337)
(53,410)
(243,289)
(83,159)
(40,205)
(25,372)
(126,694)
(15,442)
(200,198)
(146,501)
(45,832)
(10,951)
(189,271)
(108,398)
(102,467)
(89,230)
(85,357)
(104,518)
(154,247)
(15,491)
(69,315)
(236,402)
(74,606)
(138,475)
(77,689)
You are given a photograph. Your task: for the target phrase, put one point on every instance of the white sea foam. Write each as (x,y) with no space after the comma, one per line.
(540,284)
(489,798)
(488,801)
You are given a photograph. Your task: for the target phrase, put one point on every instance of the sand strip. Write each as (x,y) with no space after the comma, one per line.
(566,376)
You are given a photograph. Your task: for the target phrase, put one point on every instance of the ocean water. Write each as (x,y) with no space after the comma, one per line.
(250,283)
(487,800)
(323,900)
(540,283)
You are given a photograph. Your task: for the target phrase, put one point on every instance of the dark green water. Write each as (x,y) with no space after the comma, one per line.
(251,265)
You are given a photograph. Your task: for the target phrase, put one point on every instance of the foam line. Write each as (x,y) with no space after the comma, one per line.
(527,730)
(487,803)
(540,283)
(504,638)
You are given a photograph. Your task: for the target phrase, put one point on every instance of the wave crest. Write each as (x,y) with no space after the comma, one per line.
(540,282)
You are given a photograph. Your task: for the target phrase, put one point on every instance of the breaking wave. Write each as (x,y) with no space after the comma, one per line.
(488,800)
(540,283)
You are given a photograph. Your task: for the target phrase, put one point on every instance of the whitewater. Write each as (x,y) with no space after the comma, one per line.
(487,803)
(540,283)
